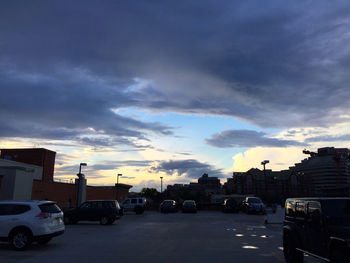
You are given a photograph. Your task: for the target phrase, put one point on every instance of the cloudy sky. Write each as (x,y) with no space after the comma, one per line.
(173,88)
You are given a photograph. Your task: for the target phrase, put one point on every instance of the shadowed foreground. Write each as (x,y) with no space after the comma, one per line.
(208,236)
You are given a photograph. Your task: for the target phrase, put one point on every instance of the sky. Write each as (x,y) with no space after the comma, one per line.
(173,88)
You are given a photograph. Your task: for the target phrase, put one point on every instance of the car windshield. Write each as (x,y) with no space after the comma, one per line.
(189,203)
(336,208)
(254,201)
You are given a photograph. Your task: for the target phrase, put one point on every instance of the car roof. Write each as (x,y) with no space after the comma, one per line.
(101,200)
(38,202)
(319,198)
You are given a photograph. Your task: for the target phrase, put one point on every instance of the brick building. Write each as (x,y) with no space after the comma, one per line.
(35,156)
(45,187)
(325,173)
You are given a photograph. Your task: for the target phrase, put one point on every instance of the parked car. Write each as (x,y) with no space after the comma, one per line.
(253,205)
(105,211)
(24,222)
(230,205)
(189,206)
(168,206)
(136,204)
(319,227)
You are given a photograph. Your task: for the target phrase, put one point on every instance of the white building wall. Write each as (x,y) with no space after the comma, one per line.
(17,179)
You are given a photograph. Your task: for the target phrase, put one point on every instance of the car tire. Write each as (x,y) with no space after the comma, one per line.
(110,221)
(291,255)
(44,241)
(21,239)
(104,220)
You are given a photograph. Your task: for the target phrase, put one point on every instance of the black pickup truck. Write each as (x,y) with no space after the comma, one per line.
(319,227)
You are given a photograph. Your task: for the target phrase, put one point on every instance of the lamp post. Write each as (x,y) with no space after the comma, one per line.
(117,185)
(264,164)
(118,178)
(80,186)
(161,184)
(81,164)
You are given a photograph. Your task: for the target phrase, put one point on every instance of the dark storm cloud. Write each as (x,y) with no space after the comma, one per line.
(247,139)
(111,141)
(38,106)
(93,169)
(65,64)
(192,168)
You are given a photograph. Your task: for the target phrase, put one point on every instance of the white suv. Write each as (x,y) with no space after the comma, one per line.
(135,204)
(22,222)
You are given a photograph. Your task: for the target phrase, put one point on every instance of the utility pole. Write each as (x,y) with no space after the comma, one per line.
(264,164)
(80,195)
(117,186)
(118,178)
(161,184)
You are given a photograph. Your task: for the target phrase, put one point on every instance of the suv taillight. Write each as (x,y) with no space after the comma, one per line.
(114,205)
(44,215)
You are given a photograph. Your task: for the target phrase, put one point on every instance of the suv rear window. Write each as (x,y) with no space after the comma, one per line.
(168,203)
(13,209)
(231,202)
(254,201)
(49,208)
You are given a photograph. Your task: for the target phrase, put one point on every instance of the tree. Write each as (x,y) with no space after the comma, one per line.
(150,193)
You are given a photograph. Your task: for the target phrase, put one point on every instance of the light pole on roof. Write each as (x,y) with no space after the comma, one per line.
(118,178)
(264,164)
(81,164)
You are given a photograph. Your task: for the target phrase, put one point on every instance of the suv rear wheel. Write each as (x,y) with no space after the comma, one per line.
(290,253)
(21,239)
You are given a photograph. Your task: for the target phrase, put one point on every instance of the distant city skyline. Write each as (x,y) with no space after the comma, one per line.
(173,90)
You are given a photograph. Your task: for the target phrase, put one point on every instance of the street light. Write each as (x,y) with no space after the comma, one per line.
(117,187)
(118,178)
(81,164)
(161,184)
(264,164)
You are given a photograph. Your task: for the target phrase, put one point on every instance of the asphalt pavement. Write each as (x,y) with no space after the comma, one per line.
(208,236)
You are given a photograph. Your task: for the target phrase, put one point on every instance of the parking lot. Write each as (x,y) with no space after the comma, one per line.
(208,236)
